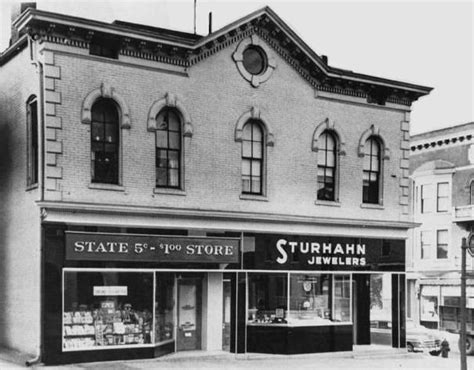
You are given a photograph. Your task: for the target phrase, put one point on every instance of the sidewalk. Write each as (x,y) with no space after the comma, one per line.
(339,361)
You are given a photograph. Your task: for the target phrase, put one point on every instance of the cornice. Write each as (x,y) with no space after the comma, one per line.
(105,209)
(441,143)
(182,49)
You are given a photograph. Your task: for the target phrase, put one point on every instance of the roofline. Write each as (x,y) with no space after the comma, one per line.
(441,131)
(13,49)
(100,26)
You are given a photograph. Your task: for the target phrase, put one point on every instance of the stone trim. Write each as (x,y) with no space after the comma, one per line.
(329,125)
(105,91)
(170,100)
(53,173)
(373,131)
(238,57)
(254,113)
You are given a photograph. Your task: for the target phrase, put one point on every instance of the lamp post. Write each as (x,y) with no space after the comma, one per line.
(467,244)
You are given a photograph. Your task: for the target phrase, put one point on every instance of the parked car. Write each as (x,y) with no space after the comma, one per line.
(421,339)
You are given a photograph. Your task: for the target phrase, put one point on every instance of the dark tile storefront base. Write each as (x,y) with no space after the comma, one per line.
(298,340)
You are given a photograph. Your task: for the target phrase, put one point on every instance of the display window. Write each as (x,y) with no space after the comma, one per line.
(165,298)
(107,309)
(313,299)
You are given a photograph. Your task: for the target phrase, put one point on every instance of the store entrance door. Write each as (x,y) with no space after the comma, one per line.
(189,313)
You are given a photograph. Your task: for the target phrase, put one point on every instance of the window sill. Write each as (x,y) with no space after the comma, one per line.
(169,191)
(111,187)
(329,203)
(372,206)
(31,187)
(259,198)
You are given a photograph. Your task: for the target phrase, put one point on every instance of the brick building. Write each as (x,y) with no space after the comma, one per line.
(441,167)
(165,191)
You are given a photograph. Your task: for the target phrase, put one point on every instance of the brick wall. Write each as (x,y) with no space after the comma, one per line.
(19,216)
(215,95)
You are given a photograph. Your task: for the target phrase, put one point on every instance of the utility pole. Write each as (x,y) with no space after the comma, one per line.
(462,347)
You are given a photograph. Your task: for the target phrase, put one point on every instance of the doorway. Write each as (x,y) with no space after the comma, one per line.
(189,313)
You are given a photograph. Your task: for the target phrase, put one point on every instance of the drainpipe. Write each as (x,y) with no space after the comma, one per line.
(42,163)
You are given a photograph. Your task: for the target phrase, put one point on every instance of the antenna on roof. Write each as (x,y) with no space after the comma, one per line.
(195,16)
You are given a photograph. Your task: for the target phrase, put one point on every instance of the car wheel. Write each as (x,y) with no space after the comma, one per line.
(435,353)
(410,347)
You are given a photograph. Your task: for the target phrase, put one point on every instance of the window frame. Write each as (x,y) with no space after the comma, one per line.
(425,244)
(250,159)
(438,244)
(323,165)
(32,149)
(426,202)
(471,192)
(166,111)
(438,197)
(374,198)
(101,179)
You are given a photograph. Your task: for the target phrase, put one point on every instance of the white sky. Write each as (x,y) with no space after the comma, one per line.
(424,42)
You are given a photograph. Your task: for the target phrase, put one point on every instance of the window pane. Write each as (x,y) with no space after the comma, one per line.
(173,159)
(256,168)
(247,149)
(246,184)
(443,189)
(161,139)
(95,320)
(330,143)
(256,185)
(322,144)
(161,177)
(330,159)
(173,121)
(267,298)
(367,163)
(97,131)
(247,132)
(174,177)
(443,204)
(161,158)
(162,121)
(257,132)
(257,150)
(442,236)
(245,167)
(111,133)
(165,305)
(174,140)
(375,164)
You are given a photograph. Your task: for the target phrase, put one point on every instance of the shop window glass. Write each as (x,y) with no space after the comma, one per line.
(168,149)
(164,307)
(442,201)
(319,299)
(105,142)
(326,166)
(105,309)
(427,201)
(381,309)
(429,310)
(267,298)
(442,244)
(371,173)
(252,158)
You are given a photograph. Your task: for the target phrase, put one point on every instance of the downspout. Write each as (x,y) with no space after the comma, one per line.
(41,141)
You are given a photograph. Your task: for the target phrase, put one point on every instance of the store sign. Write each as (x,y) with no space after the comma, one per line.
(110,290)
(336,254)
(150,248)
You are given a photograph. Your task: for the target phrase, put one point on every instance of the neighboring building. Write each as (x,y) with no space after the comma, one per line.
(442,170)
(164,191)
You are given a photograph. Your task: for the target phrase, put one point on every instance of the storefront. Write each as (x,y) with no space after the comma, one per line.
(136,293)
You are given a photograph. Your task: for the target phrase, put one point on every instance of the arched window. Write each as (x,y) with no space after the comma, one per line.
(32,138)
(327,166)
(252,158)
(105,142)
(371,173)
(168,149)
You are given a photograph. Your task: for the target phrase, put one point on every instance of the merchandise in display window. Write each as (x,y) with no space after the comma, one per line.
(313,299)
(107,309)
